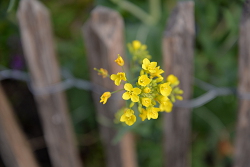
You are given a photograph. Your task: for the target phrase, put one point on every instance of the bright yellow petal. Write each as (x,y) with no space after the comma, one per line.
(145,64)
(155,115)
(117,82)
(126,96)
(134,98)
(113,77)
(153,64)
(128,87)
(136,91)
(123,118)
(131,121)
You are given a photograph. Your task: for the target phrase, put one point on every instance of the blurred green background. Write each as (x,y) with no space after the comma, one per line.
(216,50)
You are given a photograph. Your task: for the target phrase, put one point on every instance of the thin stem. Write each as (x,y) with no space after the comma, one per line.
(136,11)
(117,91)
(155,9)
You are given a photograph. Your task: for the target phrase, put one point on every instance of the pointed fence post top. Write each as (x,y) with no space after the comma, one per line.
(106,23)
(31,6)
(37,39)
(181,19)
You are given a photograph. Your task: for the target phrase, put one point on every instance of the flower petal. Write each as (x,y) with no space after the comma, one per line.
(153,64)
(128,87)
(131,121)
(126,96)
(117,82)
(113,77)
(145,64)
(136,91)
(123,118)
(134,98)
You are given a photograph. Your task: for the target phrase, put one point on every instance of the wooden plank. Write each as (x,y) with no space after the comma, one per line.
(242,144)
(14,148)
(37,40)
(103,34)
(178,50)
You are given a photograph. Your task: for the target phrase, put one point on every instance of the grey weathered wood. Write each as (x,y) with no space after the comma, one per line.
(178,50)
(103,34)
(14,148)
(242,144)
(37,40)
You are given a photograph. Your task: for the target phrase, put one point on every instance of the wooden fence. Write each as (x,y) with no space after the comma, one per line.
(103,36)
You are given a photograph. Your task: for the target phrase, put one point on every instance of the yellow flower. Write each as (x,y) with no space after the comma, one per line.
(105,97)
(119,61)
(165,89)
(149,66)
(136,44)
(128,117)
(143,114)
(102,72)
(147,90)
(131,93)
(165,104)
(152,112)
(157,72)
(146,101)
(143,80)
(173,80)
(118,77)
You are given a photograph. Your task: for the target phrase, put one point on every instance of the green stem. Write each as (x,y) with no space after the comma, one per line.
(136,11)
(155,9)
(117,91)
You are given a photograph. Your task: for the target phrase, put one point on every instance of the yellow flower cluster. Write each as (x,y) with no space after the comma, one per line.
(150,91)
(138,51)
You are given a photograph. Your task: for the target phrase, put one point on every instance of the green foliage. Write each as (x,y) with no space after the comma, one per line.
(216,53)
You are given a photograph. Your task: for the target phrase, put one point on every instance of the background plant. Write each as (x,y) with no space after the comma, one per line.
(215,63)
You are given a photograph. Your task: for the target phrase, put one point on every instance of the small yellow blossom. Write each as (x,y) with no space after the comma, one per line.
(165,89)
(152,112)
(132,93)
(136,44)
(165,104)
(143,114)
(119,60)
(128,117)
(146,101)
(149,66)
(173,80)
(147,90)
(157,72)
(118,78)
(102,72)
(105,97)
(143,80)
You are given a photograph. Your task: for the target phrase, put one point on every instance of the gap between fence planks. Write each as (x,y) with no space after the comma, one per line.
(242,144)
(178,50)
(103,34)
(14,148)
(38,44)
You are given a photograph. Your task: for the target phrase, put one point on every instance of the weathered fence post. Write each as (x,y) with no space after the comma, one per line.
(37,40)
(178,50)
(103,34)
(242,144)
(15,150)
